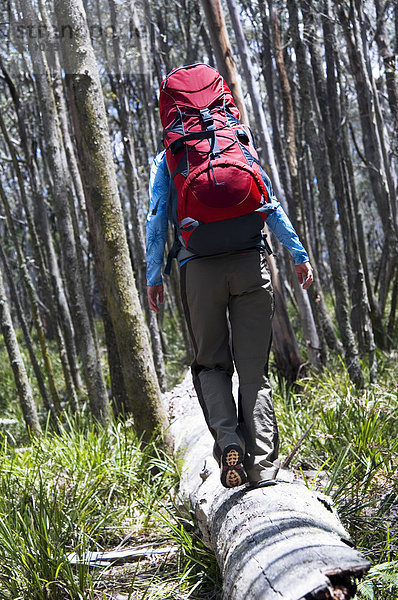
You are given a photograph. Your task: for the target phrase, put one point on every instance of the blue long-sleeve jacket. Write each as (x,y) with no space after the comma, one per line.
(157,222)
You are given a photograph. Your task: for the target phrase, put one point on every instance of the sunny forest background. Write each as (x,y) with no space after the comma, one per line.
(82,356)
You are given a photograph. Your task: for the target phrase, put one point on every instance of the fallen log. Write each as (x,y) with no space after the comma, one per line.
(280,542)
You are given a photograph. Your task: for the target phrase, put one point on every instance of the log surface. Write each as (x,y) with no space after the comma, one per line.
(280,542)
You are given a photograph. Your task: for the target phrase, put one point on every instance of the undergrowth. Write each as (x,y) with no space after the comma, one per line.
(84,490)
(70,494)
(351,454)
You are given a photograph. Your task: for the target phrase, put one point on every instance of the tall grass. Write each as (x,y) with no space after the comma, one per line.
(354,443)
(83,490)
(80,491)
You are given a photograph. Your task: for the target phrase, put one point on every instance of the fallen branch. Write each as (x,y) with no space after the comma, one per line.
(102,559)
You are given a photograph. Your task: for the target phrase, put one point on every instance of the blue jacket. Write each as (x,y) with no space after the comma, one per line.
(157,222)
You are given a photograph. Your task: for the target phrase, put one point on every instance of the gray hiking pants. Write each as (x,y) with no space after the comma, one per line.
(228,301)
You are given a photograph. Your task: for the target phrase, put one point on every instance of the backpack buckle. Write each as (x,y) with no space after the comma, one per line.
(207,118)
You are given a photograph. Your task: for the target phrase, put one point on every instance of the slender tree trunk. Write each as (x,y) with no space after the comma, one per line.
(27,337)
(107,226)
(295,209)
(266,152)
(389,63)
(122,106)
(329,103)
(375,155)
(21,379)
(88,346)
(43,230)
(204,35)
(223,52)
(268,74)
(51,316)
(34,306)
(321,166)
(393,310)
(139,27)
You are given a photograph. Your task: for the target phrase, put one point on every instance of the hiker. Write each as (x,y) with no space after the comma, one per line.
(209,184)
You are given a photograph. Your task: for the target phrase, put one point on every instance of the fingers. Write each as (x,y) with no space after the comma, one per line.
(153,304)
(155,295)
(309,280)
(305,275)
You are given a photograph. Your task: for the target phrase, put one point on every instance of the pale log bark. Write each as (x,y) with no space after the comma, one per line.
(279,542)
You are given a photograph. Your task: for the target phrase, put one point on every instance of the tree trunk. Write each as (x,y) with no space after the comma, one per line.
(375,153)
(223,52)
(268,74)
(34,305)
(27,337)
(329,103)
(284,344)
(126,127)
(106,223)
(266,151)
(88,346)
(388,57)
(295,204)
(344,184)
(139,27)
(321,166)
(44,233)
(49,317)
(21,379)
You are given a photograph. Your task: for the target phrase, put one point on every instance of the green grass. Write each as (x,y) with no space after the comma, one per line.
(351,454)
(83,490)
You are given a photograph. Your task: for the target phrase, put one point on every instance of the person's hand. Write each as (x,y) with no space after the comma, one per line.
(305,275)
(155,296)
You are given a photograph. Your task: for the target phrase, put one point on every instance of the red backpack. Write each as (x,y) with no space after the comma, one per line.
(219,196)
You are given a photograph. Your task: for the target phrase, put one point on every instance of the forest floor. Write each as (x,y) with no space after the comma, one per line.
(347,425)
(164,557)
(83,490)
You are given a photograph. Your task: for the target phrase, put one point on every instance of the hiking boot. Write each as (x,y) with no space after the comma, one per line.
(233,472)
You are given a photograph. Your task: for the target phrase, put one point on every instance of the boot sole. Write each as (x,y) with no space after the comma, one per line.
(233,473)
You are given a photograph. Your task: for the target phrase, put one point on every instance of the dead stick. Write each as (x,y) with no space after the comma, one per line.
(289,458)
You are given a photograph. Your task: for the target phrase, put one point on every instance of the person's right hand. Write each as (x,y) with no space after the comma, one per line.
(155,296)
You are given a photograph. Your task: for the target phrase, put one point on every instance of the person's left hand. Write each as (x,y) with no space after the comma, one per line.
(305,275)
(155,296)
